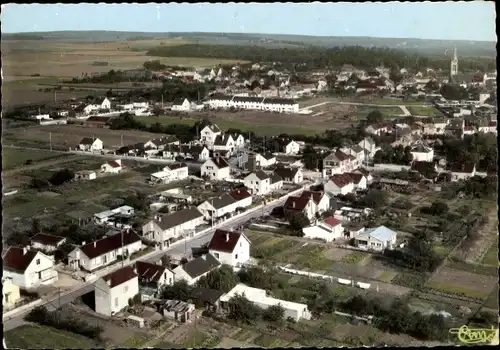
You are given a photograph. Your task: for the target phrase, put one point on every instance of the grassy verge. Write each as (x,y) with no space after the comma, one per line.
(41,337)
(424,111)
(458,290)
(491,256)
(258,129)
(473,268)
(16,157)
(492,301)
(355,258)
(409,280)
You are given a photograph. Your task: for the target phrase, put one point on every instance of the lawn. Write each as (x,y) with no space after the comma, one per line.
(41,337)
(491,256)
(424,111)
(459,290)
(354,258)
(390,101)
(15,157)
(492,301)
(259,129)
(386,111)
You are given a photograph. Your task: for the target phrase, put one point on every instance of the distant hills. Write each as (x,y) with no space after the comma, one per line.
(423,46)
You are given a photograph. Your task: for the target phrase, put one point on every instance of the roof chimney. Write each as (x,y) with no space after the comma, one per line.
(95,244)
(293,204)
(25,250)
(108,281)
(83,243)
(227,237)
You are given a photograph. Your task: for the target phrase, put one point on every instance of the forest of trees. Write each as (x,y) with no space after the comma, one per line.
(317,57)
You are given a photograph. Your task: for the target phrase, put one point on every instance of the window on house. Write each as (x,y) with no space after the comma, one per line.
(125,289)
(170,280)
(217,255)
(116,302)
(236,256)
(38,261)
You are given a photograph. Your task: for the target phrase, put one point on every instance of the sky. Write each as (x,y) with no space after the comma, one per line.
(474,21)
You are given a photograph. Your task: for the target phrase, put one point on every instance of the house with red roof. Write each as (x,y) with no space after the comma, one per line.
(229,247)
(113,291)
(242,197)
(339,184)
(328,230)
(304,205)
(47,243)
(104,251)
(216,168)
(320,199)
(112,167)
(338,162)
(360,181)
(28,268)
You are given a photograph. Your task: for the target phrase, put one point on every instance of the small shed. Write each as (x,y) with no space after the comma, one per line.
(179,310)
(136,321)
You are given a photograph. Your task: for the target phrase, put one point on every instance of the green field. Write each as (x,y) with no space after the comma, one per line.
(258,129)
(386,111)
(424,111)
(40,337)
(15,157)
(491,256)
(390,101)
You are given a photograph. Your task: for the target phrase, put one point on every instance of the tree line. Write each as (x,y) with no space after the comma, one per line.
(304,58)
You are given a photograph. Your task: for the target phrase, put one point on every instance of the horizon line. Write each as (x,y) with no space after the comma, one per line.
(247,33)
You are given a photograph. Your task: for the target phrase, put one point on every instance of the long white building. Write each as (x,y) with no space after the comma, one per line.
(273,104)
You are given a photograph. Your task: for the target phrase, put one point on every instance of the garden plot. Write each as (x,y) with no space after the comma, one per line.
(228,343)
(452,281)
(337,254)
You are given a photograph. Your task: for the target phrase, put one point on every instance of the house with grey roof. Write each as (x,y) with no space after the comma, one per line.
(195,269)
(218,207)
(90,144)
(378,239)
(209,133)
(165,229)
(224,143)
(258,183)
(421,152)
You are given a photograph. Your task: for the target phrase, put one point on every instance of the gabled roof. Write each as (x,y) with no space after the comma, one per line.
(179,101)
(114,164)
(47,239)
(149,272)
(240,194)
(315,196)
(341,180)
(381,233)
(357,148)
(222,140)
(179,217)
(176,166)
(268,156)
(261,175)
(87,141)
(205,294)
(224,241)
(275,178)
(213,127)
(15,259)
(201,265)
(110,243)
(296,203)
(286,173)
(466,168)
(421,148)
(279,101)
(356,177)
(120,276)
(220,162)
(222,201)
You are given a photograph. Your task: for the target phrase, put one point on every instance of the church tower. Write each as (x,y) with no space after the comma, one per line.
(454,66)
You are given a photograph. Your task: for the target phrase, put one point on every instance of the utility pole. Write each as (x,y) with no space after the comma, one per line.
(162,100)
(121,140)
(50,140)
(123,257)
(55,96)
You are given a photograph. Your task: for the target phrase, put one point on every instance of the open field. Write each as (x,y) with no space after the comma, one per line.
(390,101)
(424,111)
(65,136)
(491,256)
(12,157)
(41,337)
(262,123)
(464,283)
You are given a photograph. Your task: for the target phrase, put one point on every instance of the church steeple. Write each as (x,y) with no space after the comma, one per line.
(454,65)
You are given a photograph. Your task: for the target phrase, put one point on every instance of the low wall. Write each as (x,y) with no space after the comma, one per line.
(53,122)
(388,167)
(22,308)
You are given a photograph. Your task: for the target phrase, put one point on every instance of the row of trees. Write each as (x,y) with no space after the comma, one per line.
(394,155)
(308,57)
(113,77)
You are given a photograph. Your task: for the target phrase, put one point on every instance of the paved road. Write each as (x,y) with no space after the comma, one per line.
(178,247)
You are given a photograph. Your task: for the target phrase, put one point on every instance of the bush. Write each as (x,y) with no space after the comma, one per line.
(44,317)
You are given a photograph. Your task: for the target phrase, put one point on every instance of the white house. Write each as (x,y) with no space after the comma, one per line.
(196,152)
(107,216)
(154,275)
(272,104)
(242,197)
(230,248)
(378,129)
(285,146)
(422,153)
(195,269)
(264,160)
(11,294)
(171,172)
(90,144)
(113,291)
(47,243)
(27,268)
(258,183)
(104,251)
(320,199)
(218,207)
(259,297)
(216,169)
(339,184)
(359,180)
(289,174)
(209,133)
(224,143)
(164,228)
(366,174)
(329,230)
(239,140)
(462,171)
(295,205)
(378,238)
(112,167)
(369,146)
(181,105)
(161,143)
(338,162)
(102,103)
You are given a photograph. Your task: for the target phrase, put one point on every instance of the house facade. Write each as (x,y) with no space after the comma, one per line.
(295,205)
(112,167)
(195,269)
(113,291)
(172,172)
(154,275)
(320,199)
(181,105)
(258,183)
(422,153)
(90,144)
(462,171)
(378,239)
(328,230)
(230,248)
(339,184)
(216,168)
(28,269)
(104,251)
(242,197)
(218,207)
(47,243)
(10,293)
(209,133)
